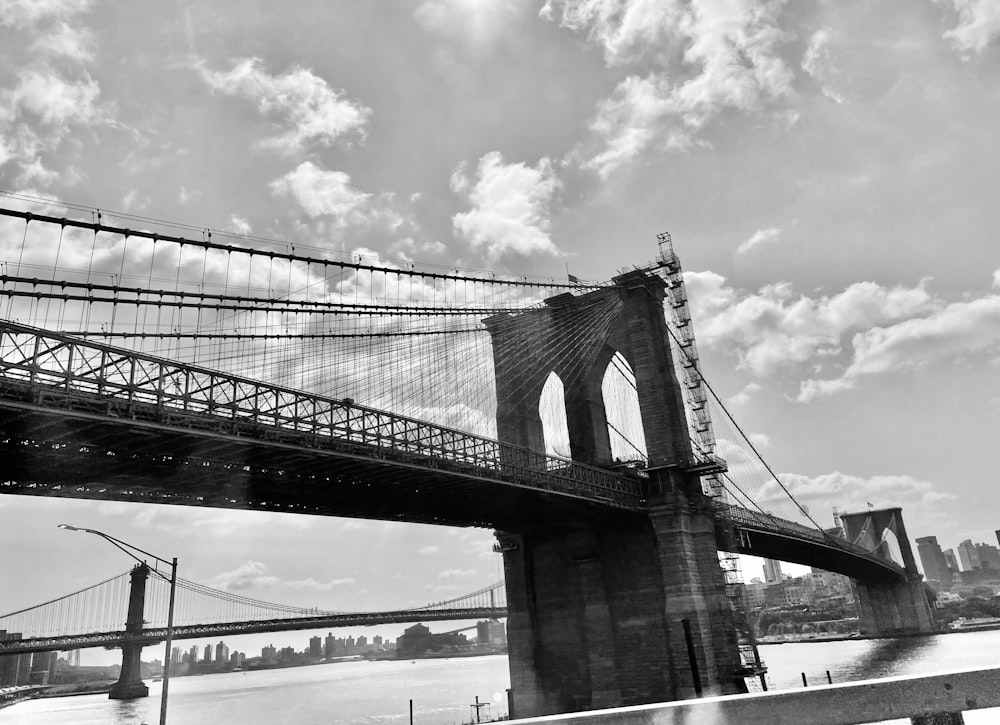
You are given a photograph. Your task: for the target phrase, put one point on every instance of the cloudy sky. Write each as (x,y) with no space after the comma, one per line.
(827,170)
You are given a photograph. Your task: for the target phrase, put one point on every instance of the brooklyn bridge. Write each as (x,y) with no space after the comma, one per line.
(572,418)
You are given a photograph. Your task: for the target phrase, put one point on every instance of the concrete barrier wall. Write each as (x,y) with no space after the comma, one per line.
(919,698)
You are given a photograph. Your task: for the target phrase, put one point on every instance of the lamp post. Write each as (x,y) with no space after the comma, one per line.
(126,547)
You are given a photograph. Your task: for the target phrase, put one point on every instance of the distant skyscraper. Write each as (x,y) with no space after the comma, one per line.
(772,571)
(208,653)
(932,558)
(989,557)
(221,652)
(315,647)
(968,555)
(952,560)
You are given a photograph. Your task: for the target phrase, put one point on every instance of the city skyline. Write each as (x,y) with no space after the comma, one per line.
(826,172)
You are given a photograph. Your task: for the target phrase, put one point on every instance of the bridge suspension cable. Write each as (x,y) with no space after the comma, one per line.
(102,608)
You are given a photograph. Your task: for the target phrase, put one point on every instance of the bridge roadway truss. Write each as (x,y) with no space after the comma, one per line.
(87,420)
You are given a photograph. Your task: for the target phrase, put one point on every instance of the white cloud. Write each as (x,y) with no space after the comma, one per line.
(730,60)
(426,550)
(66,41)
(305,108)
(21,14)
(476,22)
(624,29)
(239,225)
(315,586)
(818,63)
(957,330)
(921,500)
(456,573)
(510,206)
(323,193)
(56,100)
(761,236)
(978,24)
(248,575)
(760,440)
(776,328)
(743,397)
(44,105)
(631,119)
(256,575)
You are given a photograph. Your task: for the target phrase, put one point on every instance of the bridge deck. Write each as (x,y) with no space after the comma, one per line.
(86,420)
(89,420)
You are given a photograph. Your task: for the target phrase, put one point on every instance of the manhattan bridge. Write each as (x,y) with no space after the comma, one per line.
(148,362)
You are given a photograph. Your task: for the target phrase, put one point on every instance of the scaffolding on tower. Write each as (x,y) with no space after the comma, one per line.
(688,369)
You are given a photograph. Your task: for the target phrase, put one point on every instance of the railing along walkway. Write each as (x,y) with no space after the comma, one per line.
(923,699)
(64,372)
(746,518)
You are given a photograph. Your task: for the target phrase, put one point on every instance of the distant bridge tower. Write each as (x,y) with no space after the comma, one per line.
(130,684)
(608,609)
(889,607)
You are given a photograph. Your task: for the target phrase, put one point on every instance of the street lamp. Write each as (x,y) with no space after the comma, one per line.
(118,543)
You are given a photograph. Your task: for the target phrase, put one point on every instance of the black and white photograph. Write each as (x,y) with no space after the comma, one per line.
(443,362)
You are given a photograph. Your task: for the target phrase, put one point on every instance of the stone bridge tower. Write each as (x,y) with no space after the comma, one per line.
(610,609)
(889,607)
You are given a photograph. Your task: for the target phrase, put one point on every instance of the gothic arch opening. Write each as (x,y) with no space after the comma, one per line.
(621,407)
(890,545)
(552,412)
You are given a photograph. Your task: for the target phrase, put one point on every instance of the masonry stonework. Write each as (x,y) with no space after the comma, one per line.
(597,606)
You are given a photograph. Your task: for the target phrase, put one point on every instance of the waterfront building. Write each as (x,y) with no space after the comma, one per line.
(193,654)
(933,560)
(989,557)
(329,645)
(269,652)
(754,593)
(221,652)
(208,653)
(491,632)
(315,647)
(418,640)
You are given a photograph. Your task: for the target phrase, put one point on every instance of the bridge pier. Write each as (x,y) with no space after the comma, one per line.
(613,612)
(130,684)
(889,608)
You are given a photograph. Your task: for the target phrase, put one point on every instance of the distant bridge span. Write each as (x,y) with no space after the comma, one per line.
(197,631)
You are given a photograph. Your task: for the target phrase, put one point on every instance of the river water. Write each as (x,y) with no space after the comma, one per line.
(362,693)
